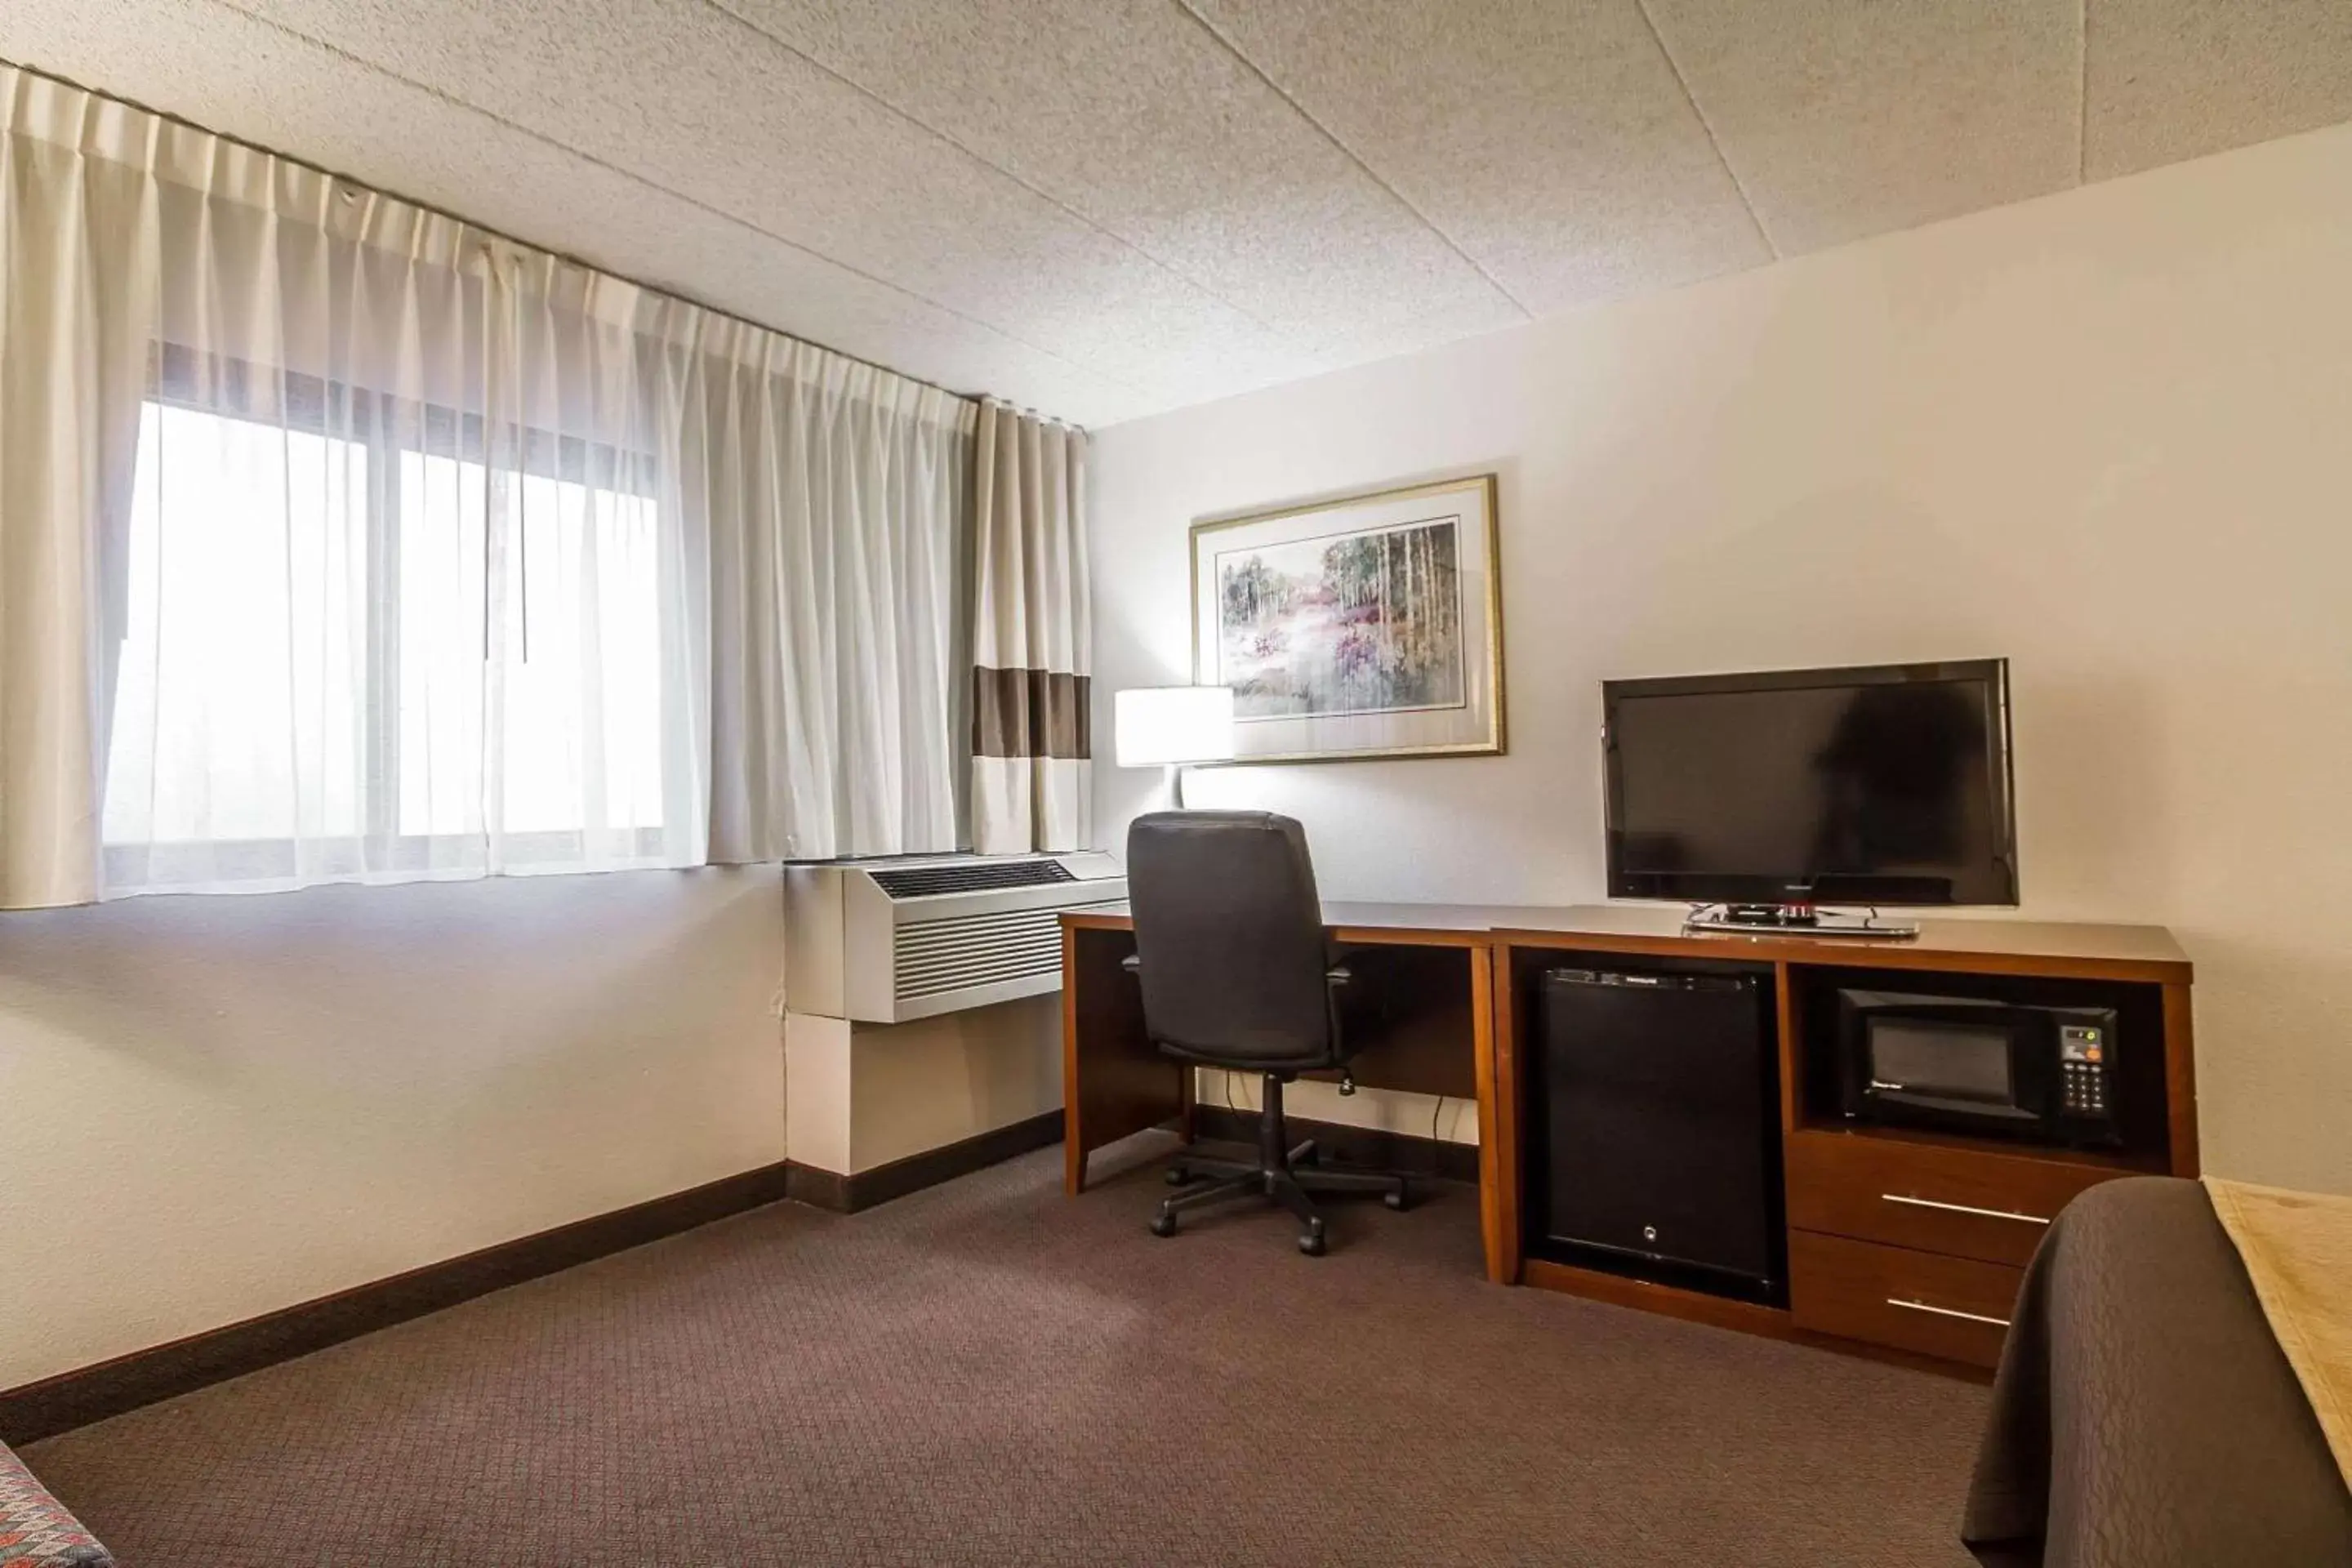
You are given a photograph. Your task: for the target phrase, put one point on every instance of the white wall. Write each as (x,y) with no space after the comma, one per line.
(2107,435)
(215,1107)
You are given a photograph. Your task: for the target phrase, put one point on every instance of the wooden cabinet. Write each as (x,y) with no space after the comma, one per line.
(1915,1241)
(1954,1307)
(1994,1206)
(1918,1244)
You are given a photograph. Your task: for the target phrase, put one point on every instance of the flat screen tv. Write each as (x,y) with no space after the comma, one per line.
(1885,785)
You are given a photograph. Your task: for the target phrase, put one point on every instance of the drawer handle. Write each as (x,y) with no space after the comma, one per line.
(1964,1208)
(1946,1313)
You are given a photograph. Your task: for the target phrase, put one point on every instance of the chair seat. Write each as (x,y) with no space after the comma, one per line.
(36,1531)
(1285,1065)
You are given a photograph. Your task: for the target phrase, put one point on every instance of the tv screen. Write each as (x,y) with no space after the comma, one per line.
(1889,785)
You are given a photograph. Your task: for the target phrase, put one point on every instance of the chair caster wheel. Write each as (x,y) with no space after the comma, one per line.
(1163,1225)
(1178,1175)
(1400,1199)
(1311,1241)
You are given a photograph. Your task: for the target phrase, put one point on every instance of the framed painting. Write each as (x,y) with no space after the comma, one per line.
(1367,626)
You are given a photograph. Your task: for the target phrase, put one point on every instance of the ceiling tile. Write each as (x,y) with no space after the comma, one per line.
(1548,138)
(687,96)
(1104,208)
(257,82)
(2168,80)
(1132,113)
(1849,118)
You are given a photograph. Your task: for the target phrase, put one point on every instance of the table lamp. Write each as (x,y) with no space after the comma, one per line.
(1170,726)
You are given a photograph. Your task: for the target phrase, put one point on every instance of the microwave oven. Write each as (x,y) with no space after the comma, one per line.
(1962,1064)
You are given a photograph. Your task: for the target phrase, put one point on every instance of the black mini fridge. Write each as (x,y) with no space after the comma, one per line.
(1662,1133)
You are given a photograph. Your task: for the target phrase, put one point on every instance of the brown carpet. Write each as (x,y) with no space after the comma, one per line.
(987,1372)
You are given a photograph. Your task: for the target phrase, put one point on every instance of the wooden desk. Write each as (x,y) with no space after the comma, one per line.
(1451,990)
(1421,1010)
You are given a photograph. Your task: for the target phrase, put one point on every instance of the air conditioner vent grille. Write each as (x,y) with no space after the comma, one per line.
(964,950)
(928,882)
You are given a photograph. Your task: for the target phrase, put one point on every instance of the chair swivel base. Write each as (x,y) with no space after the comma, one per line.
(1290,1180)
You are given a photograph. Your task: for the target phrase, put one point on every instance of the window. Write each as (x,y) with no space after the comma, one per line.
(579,694)
(333,665)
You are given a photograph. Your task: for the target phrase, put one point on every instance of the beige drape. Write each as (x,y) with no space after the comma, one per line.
(1033,637)
(76,241)
(837,500)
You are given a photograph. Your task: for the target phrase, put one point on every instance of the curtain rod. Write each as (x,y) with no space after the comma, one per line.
(564,256)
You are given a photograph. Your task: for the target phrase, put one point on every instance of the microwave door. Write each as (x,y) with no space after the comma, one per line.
(1897,1094)
(1957,1063)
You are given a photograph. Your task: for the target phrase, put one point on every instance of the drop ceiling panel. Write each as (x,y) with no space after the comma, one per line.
(248,79)
(690,99)
(1548,138)
(1131,112)
(1106,208)
(1848,118)
(2169,79)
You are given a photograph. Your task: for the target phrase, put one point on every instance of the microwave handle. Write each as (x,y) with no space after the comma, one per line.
(1963,1208)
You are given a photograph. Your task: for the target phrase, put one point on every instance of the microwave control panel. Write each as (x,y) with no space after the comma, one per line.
(2082,1068)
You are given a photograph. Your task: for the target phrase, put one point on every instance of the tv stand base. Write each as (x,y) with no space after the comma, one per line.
(1804,919)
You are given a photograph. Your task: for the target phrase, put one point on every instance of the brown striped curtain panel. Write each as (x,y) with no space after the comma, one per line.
(1033,637)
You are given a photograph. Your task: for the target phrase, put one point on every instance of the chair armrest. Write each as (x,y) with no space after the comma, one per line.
(37,1524)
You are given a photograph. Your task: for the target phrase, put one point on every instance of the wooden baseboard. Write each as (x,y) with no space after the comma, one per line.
(93,1393)
(88,1393)
(862,1190)
(1407,1152)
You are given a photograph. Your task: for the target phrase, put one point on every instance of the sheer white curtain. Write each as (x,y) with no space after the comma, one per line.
(393,589)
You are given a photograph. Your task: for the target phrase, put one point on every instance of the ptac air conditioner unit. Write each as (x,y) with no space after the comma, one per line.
(881,941)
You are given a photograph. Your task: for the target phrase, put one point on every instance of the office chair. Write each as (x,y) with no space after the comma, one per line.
(1236,972)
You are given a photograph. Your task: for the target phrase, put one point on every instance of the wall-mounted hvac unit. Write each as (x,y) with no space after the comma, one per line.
(881,941)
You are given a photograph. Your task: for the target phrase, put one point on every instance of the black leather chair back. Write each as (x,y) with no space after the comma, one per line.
(1230,933)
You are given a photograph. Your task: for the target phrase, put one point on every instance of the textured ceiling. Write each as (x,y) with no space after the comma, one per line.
(1104,208)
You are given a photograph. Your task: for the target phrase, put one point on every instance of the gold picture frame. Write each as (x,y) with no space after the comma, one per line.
(1315,653)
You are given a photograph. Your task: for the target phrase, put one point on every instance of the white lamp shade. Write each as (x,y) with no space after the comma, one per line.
(1158,726)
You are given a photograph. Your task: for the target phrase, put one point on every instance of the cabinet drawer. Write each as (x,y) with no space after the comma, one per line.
(1965,1202)
(1955,1308)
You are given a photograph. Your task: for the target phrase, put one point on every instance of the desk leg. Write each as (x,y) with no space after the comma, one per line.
(1494,1040)
(1074,1147)
(1114,1082)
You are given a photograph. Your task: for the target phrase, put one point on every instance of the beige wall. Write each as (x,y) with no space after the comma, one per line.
(2107,435)
(215,1107)
(862,1095)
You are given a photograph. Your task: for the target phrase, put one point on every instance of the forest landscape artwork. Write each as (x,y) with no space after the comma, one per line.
(1359,623)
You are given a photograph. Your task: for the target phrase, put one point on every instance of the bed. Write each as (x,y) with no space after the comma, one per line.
(2146,1414)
